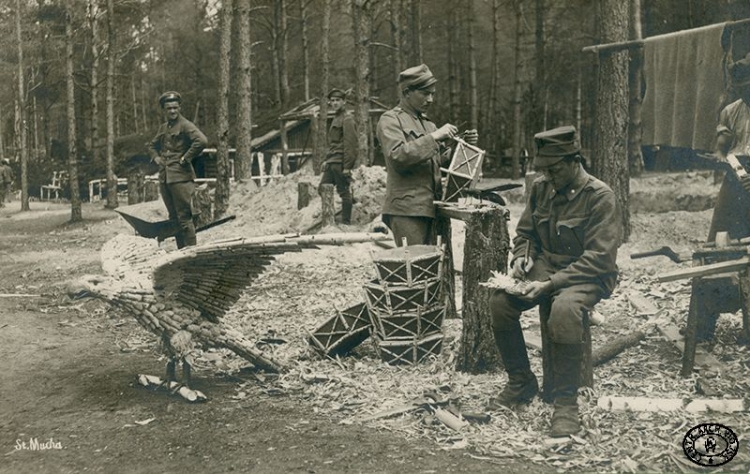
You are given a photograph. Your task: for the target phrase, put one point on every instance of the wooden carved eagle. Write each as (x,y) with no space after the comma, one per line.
(182,296)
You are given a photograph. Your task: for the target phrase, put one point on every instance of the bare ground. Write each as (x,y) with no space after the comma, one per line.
(68,377)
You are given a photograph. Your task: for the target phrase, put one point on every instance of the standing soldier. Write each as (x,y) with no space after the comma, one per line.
(6,179)
(414,150)
(177,143)
(342,153)
(732,210)
(566,246)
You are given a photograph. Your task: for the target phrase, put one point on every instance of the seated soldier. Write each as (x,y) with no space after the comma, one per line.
(566,245)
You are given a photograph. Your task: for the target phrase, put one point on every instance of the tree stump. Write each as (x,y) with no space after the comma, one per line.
(201,204)
(327,208)
(304,194)
(485,250)
(135,188)
(150,191)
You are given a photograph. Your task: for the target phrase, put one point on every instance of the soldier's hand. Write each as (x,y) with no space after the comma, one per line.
(445,132)
(159,161)
(471,137)
(182,160)
(535,289)
(745,181)
(347,173)
(521,267)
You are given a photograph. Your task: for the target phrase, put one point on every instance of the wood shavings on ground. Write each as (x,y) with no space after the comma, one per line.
(301,291)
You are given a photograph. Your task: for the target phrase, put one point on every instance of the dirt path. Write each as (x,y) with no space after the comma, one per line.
(67,384)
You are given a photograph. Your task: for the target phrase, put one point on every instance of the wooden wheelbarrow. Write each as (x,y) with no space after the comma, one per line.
(149,222)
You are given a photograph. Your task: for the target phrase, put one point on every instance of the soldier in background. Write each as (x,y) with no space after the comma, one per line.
(342,153)
(177,143)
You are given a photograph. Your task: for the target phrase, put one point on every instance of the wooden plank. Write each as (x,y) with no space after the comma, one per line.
(672,333)
(705,270)
(642,304)
(646,404)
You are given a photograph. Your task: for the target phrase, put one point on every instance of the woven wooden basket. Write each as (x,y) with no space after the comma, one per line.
(343,332)
(412,351)
(409,265)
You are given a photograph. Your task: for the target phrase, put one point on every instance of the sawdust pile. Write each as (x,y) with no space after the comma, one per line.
(272,207)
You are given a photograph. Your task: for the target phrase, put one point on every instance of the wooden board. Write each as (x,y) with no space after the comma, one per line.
(703,358)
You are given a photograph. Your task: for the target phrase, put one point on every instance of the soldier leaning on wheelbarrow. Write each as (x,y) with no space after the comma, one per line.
(177,143)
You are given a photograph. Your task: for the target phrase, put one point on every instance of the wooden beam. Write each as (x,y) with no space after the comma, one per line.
(632,44)
(705,270)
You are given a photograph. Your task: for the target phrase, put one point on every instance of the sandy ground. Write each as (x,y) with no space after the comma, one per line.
(69,366)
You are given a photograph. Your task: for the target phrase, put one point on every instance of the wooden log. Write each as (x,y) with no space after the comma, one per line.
(450,420)
(304,194)
(485,250)
(327,209)
(201,204)
(745,298)
(645,404)
(705,270)
(608,351)
(151,381)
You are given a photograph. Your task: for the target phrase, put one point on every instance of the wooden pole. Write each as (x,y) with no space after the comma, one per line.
(327,209)
(284,149)
(620,45)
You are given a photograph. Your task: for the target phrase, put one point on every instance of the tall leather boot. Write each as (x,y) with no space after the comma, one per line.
(346,210)
(566,360)
(522,385)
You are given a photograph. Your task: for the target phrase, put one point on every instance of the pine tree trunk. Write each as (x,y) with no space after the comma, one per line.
(454,95)
(517,92)
(111,178)
(485,250)
(322,128)
(540,81)
(242,158)
(495,109)
(221,194)
(635,127)
(21,115)
(416,32)
(305,48)
(75,195)
(473,94)
(610,154)
(361,29)
(284,48)
(394,11)
(94,28)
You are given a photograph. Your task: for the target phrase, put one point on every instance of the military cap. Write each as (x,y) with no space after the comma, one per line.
(417,77)
(553,145)
(336,93)
(170,96)
(740,71)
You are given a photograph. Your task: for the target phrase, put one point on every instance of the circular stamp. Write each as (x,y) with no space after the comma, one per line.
(710,444)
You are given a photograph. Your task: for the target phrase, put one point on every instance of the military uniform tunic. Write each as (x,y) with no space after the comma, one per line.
(572,237)
(412,160)
(172,142)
